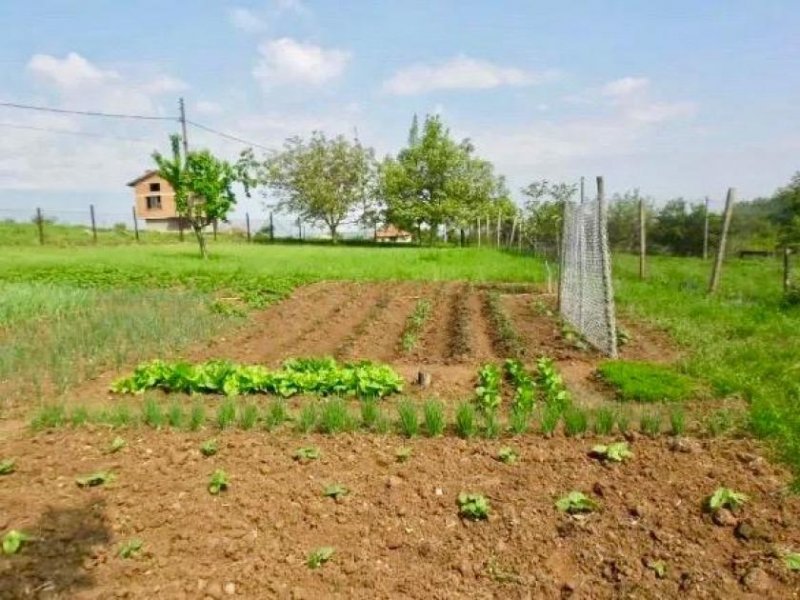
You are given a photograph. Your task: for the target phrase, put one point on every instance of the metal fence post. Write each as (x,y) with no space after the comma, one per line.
(605,259)
(247,222)
(271,229)
(40,225)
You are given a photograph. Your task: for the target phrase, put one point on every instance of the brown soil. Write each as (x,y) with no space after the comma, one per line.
(397,534)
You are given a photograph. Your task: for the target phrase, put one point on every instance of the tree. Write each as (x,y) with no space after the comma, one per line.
(545,210)
(323,180)
(436,181)
(203,187)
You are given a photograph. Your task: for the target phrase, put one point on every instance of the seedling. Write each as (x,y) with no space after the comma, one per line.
(792,561)
(403,454)
(209,448)
(8,466)
(218,482)
(434,418)
(130,548)
(117,444)
(488,391)
(335,491)
(473,506)
(95,479)
(659,567)
(603,421)
(306,454)
(465,420)
(13,541)
(308,418)
(576,503)
(616,452)
(725,498)
(408,420)
(319,557)
(507,455)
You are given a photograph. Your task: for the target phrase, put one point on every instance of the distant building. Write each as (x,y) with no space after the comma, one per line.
(154,201)
(390,233)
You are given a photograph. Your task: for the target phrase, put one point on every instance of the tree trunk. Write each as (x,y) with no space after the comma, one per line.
(201,240)
(333,233)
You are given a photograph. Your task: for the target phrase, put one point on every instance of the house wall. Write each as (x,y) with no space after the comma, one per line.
(142,190)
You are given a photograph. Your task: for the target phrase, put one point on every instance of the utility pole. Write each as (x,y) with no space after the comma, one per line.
(705,232)
(183,128)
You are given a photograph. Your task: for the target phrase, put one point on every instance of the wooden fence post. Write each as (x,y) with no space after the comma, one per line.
(726,223)
(642,239)
(271,229)
(94,223)
(247,222)
(40,225)
(605,259)
(787,275)
(705,232)
(135,223)
(180,228)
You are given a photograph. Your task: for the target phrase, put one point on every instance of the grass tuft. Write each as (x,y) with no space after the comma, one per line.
(433,412)
(465,420)
(407,418)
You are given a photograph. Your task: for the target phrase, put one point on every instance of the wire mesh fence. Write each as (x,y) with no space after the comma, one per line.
(586,299)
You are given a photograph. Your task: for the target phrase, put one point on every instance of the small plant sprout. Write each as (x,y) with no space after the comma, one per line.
(7,466)
(434,418)
(792,561)
(616,452)
(319,556)
(116,445)
(130,548)
(218,482)
(473,506)
(575,503)
(306,454)
(308,418)
(403,454)
(335,491)
(725,498)
(13,541)
(465,420)
(507,455)
(209,448)
(95,479)
(408,420)
(659,567)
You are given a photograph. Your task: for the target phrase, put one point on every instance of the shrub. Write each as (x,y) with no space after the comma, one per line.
(433,412)
(465,420)
(645,382)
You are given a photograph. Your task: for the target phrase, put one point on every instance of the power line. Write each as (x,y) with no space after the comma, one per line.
(78,133)
(228,136)
(86,113)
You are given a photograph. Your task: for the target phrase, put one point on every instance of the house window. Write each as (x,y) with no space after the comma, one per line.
(153,202)
(155,187)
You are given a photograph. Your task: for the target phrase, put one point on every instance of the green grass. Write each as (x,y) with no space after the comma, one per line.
(645,382)
(335,416)
(433,415)
(466,426)
(407,418)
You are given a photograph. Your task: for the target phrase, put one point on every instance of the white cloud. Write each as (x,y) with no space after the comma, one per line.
(656,112)
(459,73)
(247,20)
(625,86)
(70,72)
(207,107)
(287,61)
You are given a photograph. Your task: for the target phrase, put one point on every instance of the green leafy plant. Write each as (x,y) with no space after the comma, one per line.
(576,503)
(603,421)
(209,448)
(645,382)
(8,466)
(487,394)
(116,445)
(306,454)
(319,557)
(524,385)
(14,540)
(616,452)
(507,455)
(403,454)
(408,419)
(433,413)
(473,506)
(465,420)
(552,385)
(226,414)
(659,567)
(95,479)
(218,482)
(317,376)
(792,561)
(307,420)
(335,491)
(130,548)
(725,498)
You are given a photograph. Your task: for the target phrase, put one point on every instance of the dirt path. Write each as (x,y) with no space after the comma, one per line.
(397,534)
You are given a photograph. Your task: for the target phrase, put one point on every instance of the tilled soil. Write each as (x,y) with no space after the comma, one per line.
(398,533)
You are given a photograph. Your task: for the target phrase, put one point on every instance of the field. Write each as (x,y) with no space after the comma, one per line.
(75,320)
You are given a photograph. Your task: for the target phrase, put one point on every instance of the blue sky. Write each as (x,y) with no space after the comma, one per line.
(678,98)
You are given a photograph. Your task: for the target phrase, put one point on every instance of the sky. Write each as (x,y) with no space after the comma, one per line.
(676,98)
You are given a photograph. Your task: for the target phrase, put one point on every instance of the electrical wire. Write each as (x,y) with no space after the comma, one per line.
(78,133)
(86,113)
(228,136)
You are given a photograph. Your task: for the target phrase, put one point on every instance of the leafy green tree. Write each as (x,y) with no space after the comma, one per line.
(324,181)
(545,210)
(203,186)
(436,180)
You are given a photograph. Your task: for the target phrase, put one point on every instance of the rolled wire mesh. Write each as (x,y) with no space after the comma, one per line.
(586,299)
